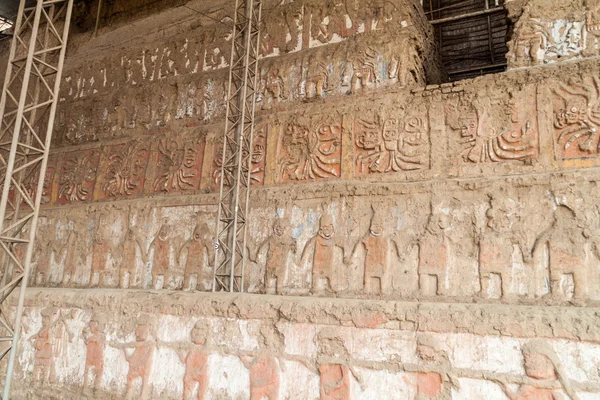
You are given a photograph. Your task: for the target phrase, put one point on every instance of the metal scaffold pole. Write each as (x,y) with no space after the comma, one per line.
(28,107)
(230,254)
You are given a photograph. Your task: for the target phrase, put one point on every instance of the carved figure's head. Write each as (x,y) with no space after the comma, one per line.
(377,226)
(200,231)
(326,228)
(200,333)
(142,330)
(280,227)
(468,125)
(390,129)
(369,139)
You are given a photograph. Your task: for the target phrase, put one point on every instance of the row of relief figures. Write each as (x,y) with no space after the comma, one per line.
(201,98)
(167,357)
(530,244)
(384,139)
(537,40)
(367,44)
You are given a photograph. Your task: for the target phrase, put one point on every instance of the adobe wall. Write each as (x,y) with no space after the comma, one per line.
(425,240)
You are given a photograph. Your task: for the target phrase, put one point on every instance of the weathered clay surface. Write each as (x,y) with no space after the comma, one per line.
(109,344)
(445,238)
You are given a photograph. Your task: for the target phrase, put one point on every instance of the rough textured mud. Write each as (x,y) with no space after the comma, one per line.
(408,238)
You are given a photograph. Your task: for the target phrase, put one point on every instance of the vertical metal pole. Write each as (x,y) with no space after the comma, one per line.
(235,182)
(28,155)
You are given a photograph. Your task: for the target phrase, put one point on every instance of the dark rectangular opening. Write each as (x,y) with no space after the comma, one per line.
(471,35)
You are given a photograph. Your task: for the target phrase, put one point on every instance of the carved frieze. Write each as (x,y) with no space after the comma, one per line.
(576,106)
(125,170)
(491,129)
(309,148)
(391,140)
(77,177)
(178,164)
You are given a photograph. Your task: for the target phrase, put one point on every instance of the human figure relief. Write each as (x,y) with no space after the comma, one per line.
(200,255)
(70,265)
(327,255)
(42,254)
(381,252)
(162,257)
(530,42)
(280,247)
(544,372)
(316,79)
(43,365)
(49,344)
(335,372)
(434,249)
(566,245)
(101,249)
(129,254)
(435,379)
(195,358)
(95,342)
(272,88)
(264,367)
(139,355)
(497,247)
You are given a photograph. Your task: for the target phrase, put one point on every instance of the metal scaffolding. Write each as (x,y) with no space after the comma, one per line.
(230,254)
(27,107)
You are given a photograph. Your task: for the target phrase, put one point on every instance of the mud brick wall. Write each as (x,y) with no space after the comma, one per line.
(425,240)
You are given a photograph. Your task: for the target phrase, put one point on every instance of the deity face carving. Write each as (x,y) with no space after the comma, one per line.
(390,130)
(369,139)
(326,228)
(468,126)
(539,366)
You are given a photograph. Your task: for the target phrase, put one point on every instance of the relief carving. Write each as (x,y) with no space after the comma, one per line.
(496,130)
(326,255)
(542,366)
(577,118)
(381,254)
(310,150)
(200,256)
(195,358)
(566,243)
(391,144)
(95,342)
(257,158)
(501,246)
(78,177)
(139,355)
(536,41)
(178,165)
(125,171)
(280,249)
